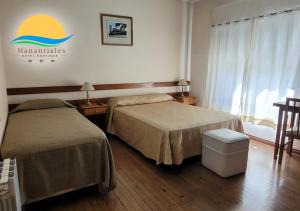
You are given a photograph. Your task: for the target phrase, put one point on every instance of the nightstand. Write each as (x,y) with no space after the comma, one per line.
(93,109)
(96,113)
(186,100)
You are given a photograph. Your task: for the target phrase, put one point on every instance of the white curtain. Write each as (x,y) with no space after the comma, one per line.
(228,49)
(273,71)
(258,66)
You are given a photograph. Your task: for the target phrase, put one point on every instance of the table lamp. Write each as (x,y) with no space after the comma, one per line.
(182,83)
(87,86)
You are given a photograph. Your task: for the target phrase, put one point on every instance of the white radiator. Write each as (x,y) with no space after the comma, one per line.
(9,186)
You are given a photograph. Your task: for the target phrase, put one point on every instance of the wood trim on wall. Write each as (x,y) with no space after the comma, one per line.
(76,88)
(96,100)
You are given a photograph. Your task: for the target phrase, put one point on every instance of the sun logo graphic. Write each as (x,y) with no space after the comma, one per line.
(41,30)
(44,34)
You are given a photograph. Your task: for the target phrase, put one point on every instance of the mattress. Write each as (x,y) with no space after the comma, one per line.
(167,131)
(57,150)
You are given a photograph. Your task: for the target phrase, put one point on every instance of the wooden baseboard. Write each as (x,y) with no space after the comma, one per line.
(270,143)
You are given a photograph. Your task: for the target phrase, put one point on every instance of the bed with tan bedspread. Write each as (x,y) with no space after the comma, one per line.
(57,150)
(164,130)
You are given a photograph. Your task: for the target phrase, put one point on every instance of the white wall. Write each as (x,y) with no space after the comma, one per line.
(202,21)
(200,45)
(3,96)
(155,56)
(250,8)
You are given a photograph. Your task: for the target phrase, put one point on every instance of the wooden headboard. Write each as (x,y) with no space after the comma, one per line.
(98,87)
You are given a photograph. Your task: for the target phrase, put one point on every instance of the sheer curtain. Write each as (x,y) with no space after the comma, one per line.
(228,49)
(273,71)
(254,64)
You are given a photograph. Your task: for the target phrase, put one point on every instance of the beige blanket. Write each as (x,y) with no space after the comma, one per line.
(57,150)
(168,131)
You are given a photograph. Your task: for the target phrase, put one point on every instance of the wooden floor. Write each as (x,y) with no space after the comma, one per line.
(144,186)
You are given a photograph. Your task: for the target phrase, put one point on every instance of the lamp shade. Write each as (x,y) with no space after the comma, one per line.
(182,82)
(87,86)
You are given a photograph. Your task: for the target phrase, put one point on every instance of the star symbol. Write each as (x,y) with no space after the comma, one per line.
(52,60)
(41,60)
(29,60)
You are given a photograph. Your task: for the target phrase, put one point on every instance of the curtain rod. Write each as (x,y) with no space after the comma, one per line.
(258,16)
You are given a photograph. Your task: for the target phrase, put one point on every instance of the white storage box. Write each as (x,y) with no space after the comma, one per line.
(225,152)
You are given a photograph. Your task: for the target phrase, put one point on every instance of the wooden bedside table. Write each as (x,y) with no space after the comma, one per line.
(93,109)
(186,100)
(96,113)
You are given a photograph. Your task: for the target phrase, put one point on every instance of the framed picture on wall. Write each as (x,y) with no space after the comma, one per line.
(116,30)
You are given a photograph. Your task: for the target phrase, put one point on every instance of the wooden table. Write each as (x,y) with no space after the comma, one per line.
(95,113)
(281,106)
(190,100)
(93,109)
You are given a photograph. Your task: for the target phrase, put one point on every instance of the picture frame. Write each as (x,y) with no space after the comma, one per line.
(116,30)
